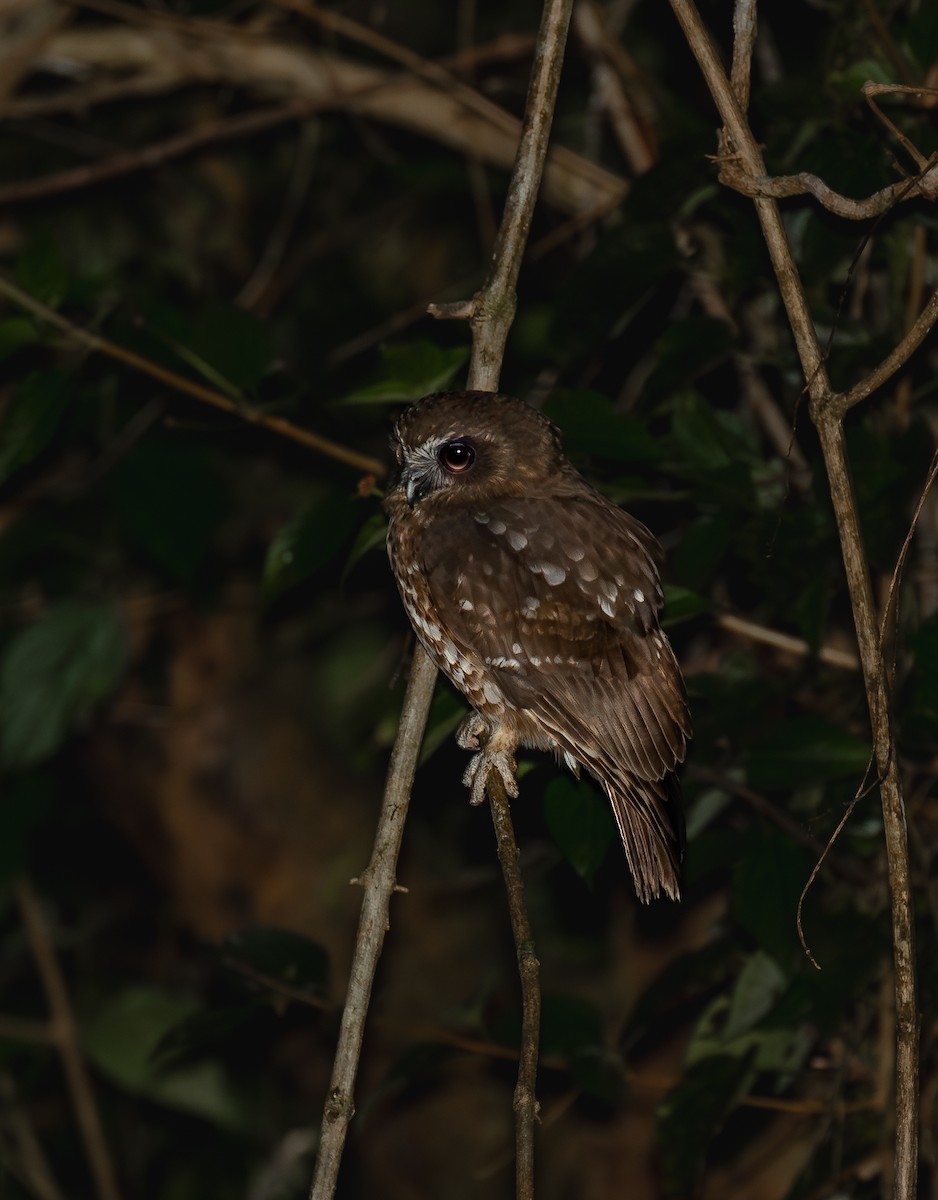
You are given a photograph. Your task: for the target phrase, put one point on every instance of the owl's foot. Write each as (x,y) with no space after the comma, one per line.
(483,765)
(470,727)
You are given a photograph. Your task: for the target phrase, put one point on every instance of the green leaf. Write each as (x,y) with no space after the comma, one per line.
(580,822)
(767,883)
(372,534)
(409,372)
(680,604)
(15,333)
(27,799)
(309,541)
(31,417)
(759,985)
(805,750)
(41,271)
(446,711)
(592,426)
(52,673)
(690,1116)
(685,350)
(279,955)
(168,498)
(233,342)
(121,1037)
(200,1032)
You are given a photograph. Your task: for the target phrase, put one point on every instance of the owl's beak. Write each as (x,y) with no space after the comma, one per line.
(416,484)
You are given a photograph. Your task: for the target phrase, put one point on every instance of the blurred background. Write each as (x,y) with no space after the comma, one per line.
(203,655)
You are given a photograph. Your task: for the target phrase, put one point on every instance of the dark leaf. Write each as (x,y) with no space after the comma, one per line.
(31,417)
(280,956)
(52,673)
(409,372)
(802,751)
(580,822)
(314,537)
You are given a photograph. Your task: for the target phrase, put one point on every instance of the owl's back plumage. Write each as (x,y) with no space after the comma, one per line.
(539,599)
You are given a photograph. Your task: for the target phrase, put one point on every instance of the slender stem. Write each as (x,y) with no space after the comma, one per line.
(101,345)
(378,883)
(65,1034)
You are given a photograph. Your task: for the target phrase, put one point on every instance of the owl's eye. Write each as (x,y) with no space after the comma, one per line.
(456,457)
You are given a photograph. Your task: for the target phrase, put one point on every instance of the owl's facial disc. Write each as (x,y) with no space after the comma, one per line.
(437,464)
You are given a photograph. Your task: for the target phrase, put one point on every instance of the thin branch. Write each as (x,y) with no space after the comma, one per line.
(830,655)
(827,416)
(278,425)
(894,361)
(66,1036)
(154,155)
(378,882)
(491,310)
(744,38)
(525,1100)
(804,183)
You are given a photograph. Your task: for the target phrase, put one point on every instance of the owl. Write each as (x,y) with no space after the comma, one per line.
(539,598)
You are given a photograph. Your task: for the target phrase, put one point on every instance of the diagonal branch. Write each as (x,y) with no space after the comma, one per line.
(101,345)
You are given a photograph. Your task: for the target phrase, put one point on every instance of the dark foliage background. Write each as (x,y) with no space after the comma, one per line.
(201,648)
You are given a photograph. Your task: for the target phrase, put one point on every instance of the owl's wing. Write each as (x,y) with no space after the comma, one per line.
(560,598)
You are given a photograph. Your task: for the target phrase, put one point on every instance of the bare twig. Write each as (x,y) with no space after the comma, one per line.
(154,155)
(830,655)
(804,183)
(827,415)
(65,1031)
(278,425)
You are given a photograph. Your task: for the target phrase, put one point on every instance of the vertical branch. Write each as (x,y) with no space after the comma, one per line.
(491,313)
(827,411)
(378,884)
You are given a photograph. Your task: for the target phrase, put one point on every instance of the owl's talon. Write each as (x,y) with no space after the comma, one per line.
(480,768)
(470,729)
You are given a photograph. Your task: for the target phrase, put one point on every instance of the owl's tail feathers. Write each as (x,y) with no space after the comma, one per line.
(650,821)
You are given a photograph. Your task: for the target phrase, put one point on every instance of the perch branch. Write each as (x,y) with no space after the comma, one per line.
(378,882)
(100,345)
(491,312)
(827,415)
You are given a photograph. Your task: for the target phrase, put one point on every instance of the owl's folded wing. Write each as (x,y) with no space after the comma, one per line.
(558,597)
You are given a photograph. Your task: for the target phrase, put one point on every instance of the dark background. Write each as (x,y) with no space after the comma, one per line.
(202,652)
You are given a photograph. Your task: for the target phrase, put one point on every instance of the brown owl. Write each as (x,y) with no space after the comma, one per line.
(539,599)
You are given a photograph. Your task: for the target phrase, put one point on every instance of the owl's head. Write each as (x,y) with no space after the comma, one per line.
(461,446)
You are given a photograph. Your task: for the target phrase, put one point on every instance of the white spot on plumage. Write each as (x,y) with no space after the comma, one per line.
(534,660)
(491,693)
(482,517)
(516,647)
(570,762)
(575,553)
(639,595)
(606,607)
(516,539)
(497,526)
(466,605)
(530,606)
(552,573)
(588,572)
